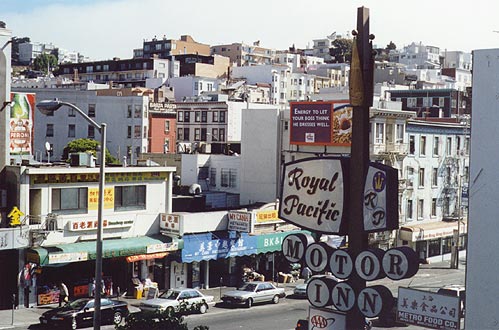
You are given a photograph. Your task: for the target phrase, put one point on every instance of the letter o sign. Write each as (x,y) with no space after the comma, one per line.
(317,256)
(368,264)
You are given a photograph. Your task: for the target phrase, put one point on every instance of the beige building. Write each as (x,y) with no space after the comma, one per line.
(241,54)
(163,47)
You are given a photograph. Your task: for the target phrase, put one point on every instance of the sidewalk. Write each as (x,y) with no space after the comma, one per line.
(23,317)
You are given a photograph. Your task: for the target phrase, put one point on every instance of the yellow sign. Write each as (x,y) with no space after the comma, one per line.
(93,198)
(267,216)
(15,217)
(94,177)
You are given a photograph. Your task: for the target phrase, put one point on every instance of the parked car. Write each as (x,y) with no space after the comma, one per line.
(300,291)
(81,312)
(174,299)
(254,292)
(302,324)
(455,290)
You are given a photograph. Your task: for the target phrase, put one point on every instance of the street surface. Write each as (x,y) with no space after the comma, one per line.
(284,315)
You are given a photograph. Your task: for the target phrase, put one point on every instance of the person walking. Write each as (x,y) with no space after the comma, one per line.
(63,293)
(306,273)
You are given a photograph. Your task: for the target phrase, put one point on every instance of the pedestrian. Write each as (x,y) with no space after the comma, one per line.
(306,273)
(63,293)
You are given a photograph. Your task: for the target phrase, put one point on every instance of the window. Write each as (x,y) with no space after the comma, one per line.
(204,116)
(213,177)
(228,177)
(214,115)
(221,135)
(91,110)
(180,116)
(448,175)
(411,102)
(421,177)
(412,144)
(466,145)
(441,102)
(458,144)
(129,132)
(138,111)
(187,118)
(399,133)
(436,142)
(129,111)
(136,131)
(180,134)
(91,132)
(434,247)
(203,133)
(167,125)
(214,134)
(434,177)
(186,134)
(71,131)
(129,198)
(379,133)
(197,116)
(409,209)
(71,112)
(448,146)
(50,130)
(222,116)
(422,146)
(69,200)
(197,134)
(420,208)
(434,207)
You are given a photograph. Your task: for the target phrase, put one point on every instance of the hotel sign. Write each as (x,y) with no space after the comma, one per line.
(313,194)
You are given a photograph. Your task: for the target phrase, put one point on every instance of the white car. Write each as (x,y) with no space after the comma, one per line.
(173,300)
(254,292)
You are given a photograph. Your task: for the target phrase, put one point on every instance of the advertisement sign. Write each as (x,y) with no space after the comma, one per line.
(321,123)
(93,198)
(313,194)
(162,107)
(169,223)
(21,123)
(267,216)
(79,225)
(428,309)
(94,177)
(326,319)
(58,258)
(239,221)
(380,198)
(464,195)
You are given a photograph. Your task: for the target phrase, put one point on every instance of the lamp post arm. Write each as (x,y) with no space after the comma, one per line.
(84,115)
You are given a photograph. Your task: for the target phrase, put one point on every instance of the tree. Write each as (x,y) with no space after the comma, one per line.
(391,46)
(86,145)
(43,61)
(341,50)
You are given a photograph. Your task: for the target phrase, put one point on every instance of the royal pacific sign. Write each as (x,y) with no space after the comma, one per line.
(313,194)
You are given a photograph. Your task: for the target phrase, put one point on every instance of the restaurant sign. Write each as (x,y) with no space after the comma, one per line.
(240,221)
(313,194)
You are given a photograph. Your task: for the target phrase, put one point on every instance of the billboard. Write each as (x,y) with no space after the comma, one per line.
(321,123)
(21,123)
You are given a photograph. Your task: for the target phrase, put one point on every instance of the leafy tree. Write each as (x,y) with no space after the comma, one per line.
(341,50)
(391,46)
(86,145)
(43,61)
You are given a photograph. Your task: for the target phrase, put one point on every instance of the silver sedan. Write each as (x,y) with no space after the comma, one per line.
(254,292)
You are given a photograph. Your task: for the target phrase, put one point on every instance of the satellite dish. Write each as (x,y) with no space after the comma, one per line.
(195,189)
(47,146)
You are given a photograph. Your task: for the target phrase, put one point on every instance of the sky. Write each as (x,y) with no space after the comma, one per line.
(103,29)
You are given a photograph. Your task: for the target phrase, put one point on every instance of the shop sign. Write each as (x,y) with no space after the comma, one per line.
(14,238)
(80,225)
(313,194)
(170,223)
(158,255)
(21,123)
(94,177)
(15,217)
(51,297)
(326,319)
(197,249)
(239,221)
(162,247)
(59,258)
(162,107)
(428,309)
(93,198)
(380,198)
(267,216)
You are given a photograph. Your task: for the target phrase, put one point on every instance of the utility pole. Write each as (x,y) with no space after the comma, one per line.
(361,93)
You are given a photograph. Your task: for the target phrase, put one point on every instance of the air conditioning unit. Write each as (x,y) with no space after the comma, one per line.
(82,159)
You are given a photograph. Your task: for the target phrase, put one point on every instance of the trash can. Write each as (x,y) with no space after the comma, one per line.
(137,293)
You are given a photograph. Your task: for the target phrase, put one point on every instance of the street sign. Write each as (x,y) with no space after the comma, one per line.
(464,195)
(428,309)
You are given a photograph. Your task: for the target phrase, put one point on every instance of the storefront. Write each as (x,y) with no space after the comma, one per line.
(123,260)
(216,258)
(434,241)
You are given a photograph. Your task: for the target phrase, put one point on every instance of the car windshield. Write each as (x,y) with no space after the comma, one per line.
(170,295)
(77,304)
(248,287)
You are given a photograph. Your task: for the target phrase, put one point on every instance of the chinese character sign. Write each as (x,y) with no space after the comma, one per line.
(93,198)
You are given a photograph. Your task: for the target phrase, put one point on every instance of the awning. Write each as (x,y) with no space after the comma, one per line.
(82,251)
(432,230)
(198,247)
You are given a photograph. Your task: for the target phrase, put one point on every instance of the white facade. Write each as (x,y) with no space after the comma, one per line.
(457,59)
(126,118)
(191,86)
(483,261)
(420,56)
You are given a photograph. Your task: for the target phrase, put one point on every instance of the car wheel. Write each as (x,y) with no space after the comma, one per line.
(203,308)
(275,300)
(117,318)
(170,310)
(249,303)
(74,325)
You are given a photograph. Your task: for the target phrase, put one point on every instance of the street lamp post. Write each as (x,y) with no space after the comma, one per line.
(48,107)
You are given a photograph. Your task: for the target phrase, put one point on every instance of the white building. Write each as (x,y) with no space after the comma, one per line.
(192,86)
(419,56)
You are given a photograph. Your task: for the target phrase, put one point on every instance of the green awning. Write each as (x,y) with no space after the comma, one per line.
(112,248)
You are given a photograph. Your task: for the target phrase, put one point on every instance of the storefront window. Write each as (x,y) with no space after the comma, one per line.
(434,247)
(446,245)
(129,198)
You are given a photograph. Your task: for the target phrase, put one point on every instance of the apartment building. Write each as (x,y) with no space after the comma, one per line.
(164,48)
(242,54)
